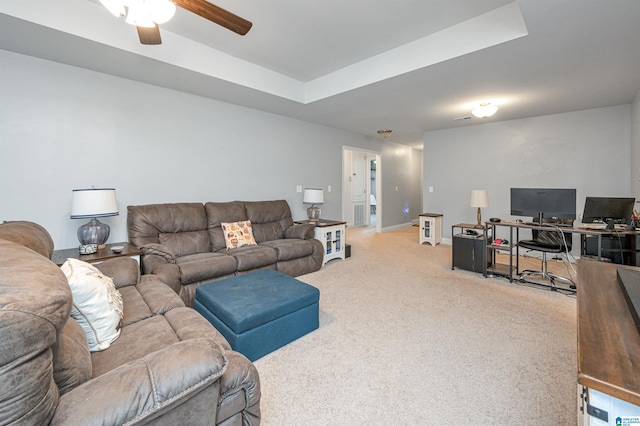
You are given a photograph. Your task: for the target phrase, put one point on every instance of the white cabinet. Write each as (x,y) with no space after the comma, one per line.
(430,228)
(332,235)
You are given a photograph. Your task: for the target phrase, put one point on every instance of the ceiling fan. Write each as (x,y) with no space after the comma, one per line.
(146,15)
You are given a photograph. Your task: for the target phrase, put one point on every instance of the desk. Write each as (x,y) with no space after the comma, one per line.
(514,237)
(608,341)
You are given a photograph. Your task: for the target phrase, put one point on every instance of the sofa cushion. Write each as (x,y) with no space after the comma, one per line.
(269,219)
(290,249)
(28,234)
(145,223)
(154,334)
(253,257)
(71,357)
(97,305)
(205,266)
(238,234)
(186,243)
(222,212)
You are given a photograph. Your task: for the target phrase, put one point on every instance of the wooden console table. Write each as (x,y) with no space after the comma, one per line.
(608,341)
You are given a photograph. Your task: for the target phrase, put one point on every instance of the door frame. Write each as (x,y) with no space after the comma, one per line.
(379,195)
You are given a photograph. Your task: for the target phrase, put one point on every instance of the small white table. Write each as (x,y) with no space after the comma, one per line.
(430,228)
(331,233)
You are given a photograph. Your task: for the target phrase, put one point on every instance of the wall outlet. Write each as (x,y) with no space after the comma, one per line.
(329,188)
(299,188)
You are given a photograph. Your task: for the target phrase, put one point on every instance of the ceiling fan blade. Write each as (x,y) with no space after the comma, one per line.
(149,35)
(216,14)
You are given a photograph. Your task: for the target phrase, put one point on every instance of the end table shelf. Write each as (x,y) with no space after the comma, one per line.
(468,248)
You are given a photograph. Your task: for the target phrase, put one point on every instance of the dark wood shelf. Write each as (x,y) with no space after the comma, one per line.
(60,256)
(608,340)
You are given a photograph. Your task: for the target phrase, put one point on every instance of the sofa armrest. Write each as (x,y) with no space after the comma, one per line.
(240,383)
(159,252)
(301,231)
(124,271)
(150,387)
(170,275)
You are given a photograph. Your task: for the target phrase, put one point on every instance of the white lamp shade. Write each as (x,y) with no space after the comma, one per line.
(313,196)
(479,198)
(94,202)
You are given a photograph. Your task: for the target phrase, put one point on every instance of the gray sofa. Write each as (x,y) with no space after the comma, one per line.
(184,245)
(169,366)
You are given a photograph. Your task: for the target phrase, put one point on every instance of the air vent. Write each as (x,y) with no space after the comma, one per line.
(467,117)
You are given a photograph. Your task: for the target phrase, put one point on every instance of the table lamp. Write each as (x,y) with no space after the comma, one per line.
(479,198)
(92,204)
(313,196)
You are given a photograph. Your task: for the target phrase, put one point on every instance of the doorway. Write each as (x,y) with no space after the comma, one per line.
(361,194)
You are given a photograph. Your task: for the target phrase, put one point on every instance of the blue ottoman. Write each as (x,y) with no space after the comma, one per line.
(259,312)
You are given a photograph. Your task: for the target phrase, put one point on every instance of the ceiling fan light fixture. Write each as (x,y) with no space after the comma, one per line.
(116,7)
(484,110)
(142,13)
(161,10)
(385,133)
(139,15)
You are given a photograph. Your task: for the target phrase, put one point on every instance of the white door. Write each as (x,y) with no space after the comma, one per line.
(359,187)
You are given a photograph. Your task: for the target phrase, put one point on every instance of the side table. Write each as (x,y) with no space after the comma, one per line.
(331,233)
(430,228)
(129,250)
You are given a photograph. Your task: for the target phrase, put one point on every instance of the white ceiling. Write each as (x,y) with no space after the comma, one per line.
(361,65)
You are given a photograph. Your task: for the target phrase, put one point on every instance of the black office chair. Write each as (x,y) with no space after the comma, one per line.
(551,241)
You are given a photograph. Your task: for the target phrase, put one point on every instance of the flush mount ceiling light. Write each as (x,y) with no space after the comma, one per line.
(484,110)
(385,133)
(142,13)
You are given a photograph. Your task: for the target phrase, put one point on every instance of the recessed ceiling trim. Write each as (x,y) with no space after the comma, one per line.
(91,21)
(489,29)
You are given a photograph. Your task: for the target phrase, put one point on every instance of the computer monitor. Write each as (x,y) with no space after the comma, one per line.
(544,203)
(605,209)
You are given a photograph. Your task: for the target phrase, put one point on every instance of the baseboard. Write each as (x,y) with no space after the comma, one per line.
(396,227)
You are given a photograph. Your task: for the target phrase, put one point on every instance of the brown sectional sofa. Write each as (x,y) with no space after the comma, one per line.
(184,244)
(169,366)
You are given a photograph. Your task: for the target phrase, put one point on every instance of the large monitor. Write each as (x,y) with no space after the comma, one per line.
(543,203)
(604,209)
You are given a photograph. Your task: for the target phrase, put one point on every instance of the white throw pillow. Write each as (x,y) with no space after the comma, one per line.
(97,304)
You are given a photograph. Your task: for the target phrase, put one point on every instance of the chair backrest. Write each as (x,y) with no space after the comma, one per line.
(554,237)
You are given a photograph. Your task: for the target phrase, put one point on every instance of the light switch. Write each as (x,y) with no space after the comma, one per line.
(329,188)
(431,189)
(299,188)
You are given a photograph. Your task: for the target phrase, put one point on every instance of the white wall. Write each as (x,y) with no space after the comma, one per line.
(587,150)
(635,149)
(64,127)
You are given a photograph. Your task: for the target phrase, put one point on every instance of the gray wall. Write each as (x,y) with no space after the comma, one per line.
(64,127)
(635,149)
(587,150)
(399,167)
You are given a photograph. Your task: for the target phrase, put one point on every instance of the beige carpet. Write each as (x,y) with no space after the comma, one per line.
(404,340)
